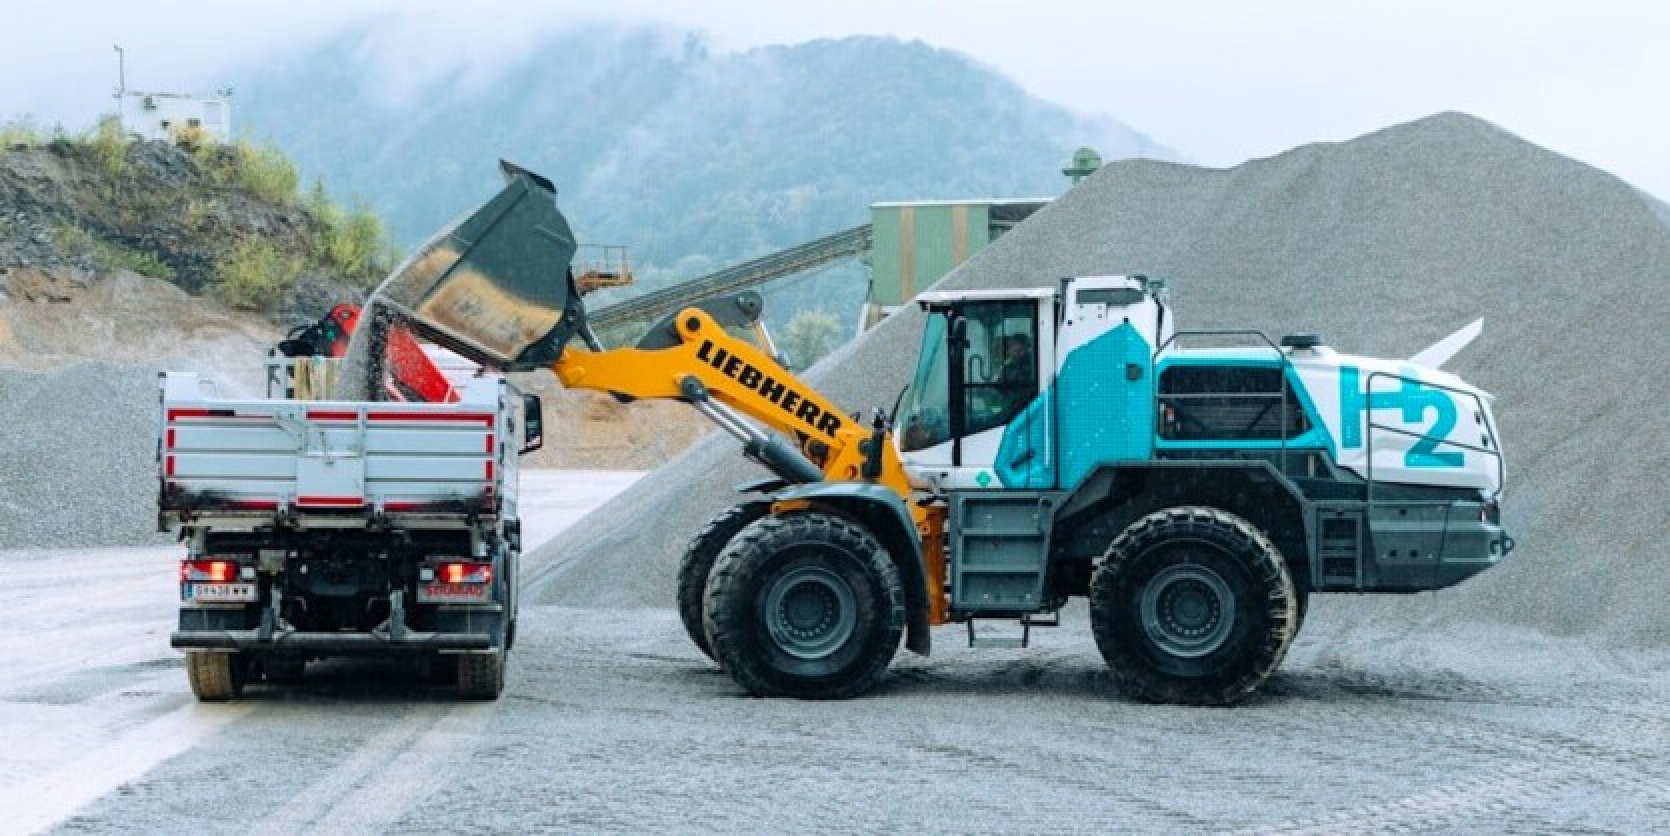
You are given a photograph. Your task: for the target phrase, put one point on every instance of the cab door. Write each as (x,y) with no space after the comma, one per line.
(983,361)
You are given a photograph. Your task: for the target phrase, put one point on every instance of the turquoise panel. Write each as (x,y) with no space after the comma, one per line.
(1102,415)
(1024,459)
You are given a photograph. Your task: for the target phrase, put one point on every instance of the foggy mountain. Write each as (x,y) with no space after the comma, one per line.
(694,159)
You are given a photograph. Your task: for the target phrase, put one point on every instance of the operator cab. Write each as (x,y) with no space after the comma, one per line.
(982,407)
(985,355)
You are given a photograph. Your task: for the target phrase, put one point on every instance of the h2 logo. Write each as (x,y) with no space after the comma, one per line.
(1414,400)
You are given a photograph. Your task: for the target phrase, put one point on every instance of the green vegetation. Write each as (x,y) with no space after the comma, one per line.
(264,172)
(256,273)
(210,217)
(109,255)
(21,133)
(810,336)
(355,244)
(109,147)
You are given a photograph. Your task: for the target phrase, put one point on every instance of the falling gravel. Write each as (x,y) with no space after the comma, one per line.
(1384,244)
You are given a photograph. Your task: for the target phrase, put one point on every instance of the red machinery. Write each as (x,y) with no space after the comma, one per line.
(410,374)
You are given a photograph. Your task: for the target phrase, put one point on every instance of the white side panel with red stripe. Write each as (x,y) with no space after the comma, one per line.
(267,454)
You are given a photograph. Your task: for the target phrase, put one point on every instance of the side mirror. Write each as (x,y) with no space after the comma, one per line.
(533,424)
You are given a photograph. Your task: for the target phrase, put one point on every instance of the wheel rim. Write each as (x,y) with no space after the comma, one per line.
(810,612)
(1188,610)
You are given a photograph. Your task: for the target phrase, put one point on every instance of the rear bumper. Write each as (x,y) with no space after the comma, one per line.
(335,644)
(456,630)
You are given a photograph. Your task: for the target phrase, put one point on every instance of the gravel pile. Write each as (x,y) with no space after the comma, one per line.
(78,456)
(1384,244)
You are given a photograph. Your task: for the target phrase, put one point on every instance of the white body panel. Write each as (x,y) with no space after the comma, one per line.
(269,455)
(1424,426)
(1085,320)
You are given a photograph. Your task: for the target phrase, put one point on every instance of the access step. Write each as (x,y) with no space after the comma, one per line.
(1027,622)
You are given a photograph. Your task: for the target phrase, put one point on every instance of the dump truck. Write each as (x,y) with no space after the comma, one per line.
(318,528)
(1054,443)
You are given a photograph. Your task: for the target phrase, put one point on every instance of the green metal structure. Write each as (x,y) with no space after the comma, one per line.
(916,243)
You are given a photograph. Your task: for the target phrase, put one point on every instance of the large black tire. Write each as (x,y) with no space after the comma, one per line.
(697,563)
(481,675)
(804,605)
(1192,605)
(216,677)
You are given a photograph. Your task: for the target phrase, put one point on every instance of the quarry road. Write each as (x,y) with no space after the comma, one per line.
(612,721)
(94,697)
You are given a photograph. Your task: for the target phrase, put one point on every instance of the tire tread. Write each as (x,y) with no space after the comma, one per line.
(1224,529)
(727,619)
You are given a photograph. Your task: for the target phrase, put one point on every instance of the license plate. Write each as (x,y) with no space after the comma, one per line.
(468,593)
(212,593)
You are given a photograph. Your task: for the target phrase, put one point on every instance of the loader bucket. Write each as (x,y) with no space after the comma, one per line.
(495,286)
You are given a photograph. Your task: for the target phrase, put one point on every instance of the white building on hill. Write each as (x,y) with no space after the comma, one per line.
(164,115)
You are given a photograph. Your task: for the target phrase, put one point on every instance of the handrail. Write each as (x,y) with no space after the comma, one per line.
(1368,389)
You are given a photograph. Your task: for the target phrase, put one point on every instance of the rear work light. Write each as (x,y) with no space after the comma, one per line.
(208,571)
(465,573)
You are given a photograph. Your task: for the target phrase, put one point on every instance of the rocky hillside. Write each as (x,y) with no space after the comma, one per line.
(221,220)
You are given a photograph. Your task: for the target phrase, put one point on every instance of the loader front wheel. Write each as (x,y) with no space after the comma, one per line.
(697,564)
(805,605)
(1192,605)
(215,677)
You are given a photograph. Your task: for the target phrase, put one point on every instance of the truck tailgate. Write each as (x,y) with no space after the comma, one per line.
(271,454)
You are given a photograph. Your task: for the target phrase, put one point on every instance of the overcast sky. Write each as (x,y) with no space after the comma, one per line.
(1219,81)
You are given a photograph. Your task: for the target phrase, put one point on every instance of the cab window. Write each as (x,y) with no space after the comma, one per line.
(926,413)
(1000,374)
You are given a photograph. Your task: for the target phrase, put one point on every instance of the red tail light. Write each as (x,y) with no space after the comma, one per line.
(208,571)
(465,573)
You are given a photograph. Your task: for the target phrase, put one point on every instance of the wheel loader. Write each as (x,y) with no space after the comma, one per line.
(1054,442)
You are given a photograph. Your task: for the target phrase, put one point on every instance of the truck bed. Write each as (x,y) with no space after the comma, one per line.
(265,456)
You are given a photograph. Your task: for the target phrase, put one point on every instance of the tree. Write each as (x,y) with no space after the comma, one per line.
(810,335)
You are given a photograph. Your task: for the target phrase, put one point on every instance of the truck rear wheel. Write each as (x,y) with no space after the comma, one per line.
(697,564)
(215,677)
(1192,605)
(481,675)
(805,605)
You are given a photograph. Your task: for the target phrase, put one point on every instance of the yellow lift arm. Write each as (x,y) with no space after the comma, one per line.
(726,377)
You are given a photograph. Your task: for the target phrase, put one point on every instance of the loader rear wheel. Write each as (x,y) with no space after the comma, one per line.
(697,564)
(215,677)
(805,605)
(481,675)
(1192,605)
